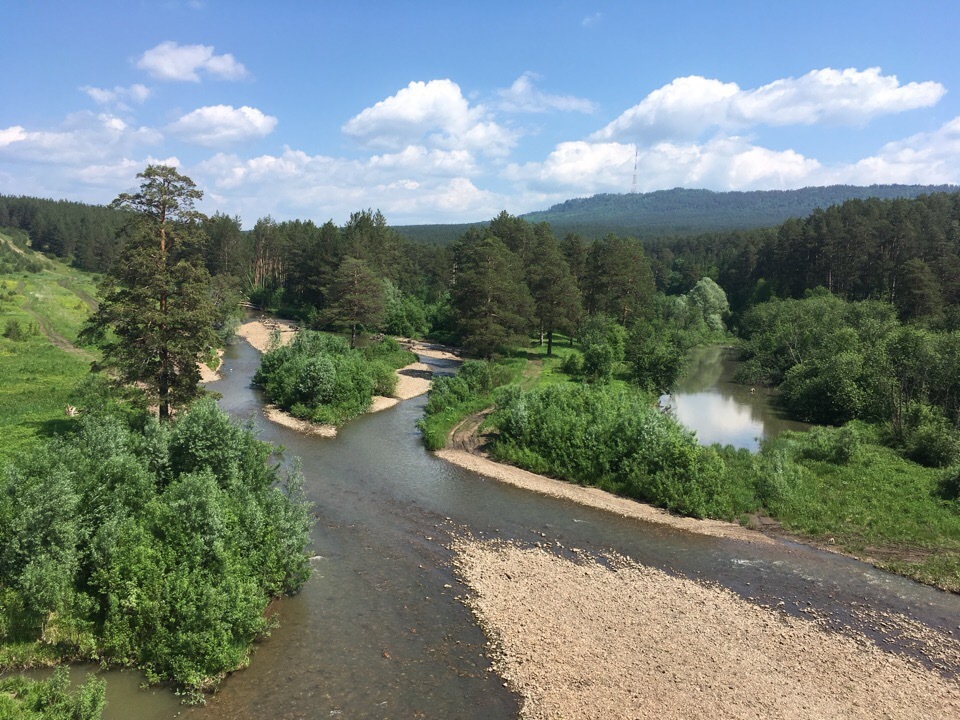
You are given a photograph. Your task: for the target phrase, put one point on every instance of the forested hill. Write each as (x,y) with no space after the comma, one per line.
(678,212)
(84,234)
(687,212)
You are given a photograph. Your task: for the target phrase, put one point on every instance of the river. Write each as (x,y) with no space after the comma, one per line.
(379,630)
(707,401)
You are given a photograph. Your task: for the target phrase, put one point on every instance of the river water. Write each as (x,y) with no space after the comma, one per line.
(379,630)
(707,401)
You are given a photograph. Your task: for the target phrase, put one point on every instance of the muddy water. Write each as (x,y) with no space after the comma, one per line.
(379,632)
(719,410)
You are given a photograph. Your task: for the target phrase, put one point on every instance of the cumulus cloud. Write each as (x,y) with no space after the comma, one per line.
(118,96)
(431,113)
(170,61)
(722,164)
(119,174)
(924,158)
(689,106)
(408,187)
(523,96)
(83,138)
(218,125)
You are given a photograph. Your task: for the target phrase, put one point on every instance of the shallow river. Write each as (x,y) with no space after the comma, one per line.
(379,631)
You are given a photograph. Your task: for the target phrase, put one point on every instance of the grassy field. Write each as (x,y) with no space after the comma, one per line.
(40,369)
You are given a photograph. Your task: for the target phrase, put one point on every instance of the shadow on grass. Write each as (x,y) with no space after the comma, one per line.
(53,427)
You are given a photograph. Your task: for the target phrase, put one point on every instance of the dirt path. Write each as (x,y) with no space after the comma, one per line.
(87,298)
(47,328)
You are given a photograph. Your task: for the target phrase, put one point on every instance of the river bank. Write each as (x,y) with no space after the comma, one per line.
(609,637)
(581,639)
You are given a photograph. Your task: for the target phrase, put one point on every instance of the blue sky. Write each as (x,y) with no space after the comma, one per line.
(452,111)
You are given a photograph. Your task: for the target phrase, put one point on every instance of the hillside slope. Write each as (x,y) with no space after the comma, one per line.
(681,212)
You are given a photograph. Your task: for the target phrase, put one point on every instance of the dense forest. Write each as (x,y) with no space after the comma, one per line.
(678,212)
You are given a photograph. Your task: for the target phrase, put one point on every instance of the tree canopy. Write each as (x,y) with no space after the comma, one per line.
(155,319)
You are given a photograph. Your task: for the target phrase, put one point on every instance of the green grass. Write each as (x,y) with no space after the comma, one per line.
(879,506)
(36,377)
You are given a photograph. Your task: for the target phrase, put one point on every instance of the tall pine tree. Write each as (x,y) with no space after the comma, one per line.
(155,319)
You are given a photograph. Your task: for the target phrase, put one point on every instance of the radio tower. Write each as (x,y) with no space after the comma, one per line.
(633,188)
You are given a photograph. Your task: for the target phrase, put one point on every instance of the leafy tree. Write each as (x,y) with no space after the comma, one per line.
(357,297)
(656,356)
(155,319)
(603,342)
(711,302)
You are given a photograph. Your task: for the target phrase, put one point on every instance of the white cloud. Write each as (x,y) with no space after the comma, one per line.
(523,96)
(119,96)
(591,20)
(170,61)
(83,138)
(689,106)
(117,175)
(924,158)
(721,164)
(416,185)
(218,125)
(431,113)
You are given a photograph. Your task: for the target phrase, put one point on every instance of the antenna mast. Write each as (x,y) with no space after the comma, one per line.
(633,188)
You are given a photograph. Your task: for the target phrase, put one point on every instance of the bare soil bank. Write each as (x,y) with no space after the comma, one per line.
(581,640)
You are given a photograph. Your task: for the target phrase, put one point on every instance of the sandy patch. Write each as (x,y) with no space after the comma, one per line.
(581,640)
(596,498)
(381,402)
(413,380)
(278,416)
(431,350)
(259,332)
(206,374)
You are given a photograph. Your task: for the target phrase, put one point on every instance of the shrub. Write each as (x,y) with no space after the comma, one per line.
(948,484)
(833,445)
(927,437)
(572,364)
(15,331)
(613,439)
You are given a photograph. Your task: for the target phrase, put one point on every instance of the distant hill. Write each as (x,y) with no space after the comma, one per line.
(684,212)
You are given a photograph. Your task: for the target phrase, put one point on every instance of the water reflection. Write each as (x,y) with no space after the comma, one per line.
(721,411)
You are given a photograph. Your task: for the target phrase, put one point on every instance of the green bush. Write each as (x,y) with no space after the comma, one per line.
(948,484)
(927,437)
(52,699)
(15,331)
(319,378)
(572,365)
(833,445)
(613,439)
(159,548)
